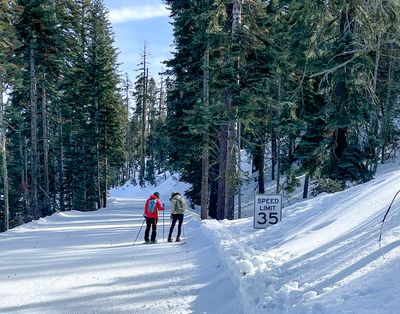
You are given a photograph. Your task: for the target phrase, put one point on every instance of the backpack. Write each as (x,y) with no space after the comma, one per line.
(180,205)
(152,206)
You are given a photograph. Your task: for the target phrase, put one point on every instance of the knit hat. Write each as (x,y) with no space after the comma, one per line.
(157,194)
(173,194)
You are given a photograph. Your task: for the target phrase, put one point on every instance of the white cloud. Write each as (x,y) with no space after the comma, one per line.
(137,13)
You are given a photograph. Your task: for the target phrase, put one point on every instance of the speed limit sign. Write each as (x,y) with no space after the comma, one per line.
(267,210)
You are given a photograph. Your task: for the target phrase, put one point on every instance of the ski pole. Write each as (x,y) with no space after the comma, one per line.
(163,222)
(383,221)
(144,219)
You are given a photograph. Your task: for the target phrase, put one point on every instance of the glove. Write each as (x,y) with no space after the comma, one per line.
(144,216)
(171,216)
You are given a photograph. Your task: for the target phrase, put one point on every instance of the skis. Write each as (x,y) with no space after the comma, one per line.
(177,243)
(163,243)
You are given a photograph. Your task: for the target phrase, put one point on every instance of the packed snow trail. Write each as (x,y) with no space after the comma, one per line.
(84,262)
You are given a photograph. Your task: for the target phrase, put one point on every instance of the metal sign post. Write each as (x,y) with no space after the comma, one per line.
(267,210)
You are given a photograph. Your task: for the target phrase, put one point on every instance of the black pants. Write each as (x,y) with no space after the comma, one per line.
(175,218)
(151,222)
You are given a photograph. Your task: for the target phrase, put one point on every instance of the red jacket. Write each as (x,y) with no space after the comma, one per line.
(154,214)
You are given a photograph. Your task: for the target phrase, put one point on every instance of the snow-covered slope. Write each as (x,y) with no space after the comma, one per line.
(323,257)
(166,184)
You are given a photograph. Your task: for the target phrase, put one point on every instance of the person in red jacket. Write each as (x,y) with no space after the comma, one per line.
(153,205)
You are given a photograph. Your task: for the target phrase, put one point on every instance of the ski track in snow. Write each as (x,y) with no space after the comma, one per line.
(85,262)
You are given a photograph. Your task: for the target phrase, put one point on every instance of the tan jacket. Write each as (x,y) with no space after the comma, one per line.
(178,204)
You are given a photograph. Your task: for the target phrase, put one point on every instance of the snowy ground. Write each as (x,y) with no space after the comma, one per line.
(323,257)
(78,262)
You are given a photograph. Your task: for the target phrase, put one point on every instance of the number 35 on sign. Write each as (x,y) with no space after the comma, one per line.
(267,210)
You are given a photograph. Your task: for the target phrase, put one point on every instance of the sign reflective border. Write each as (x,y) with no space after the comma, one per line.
(267,210)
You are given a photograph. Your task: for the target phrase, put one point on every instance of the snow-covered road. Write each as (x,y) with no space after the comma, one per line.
(84,262)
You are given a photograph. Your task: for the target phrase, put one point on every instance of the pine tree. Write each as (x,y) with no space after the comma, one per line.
(386,86)
(258,87)
(109,110)
(81,122)
(141,112)
(36,30)
(127,92)
(185,68)
(8,44)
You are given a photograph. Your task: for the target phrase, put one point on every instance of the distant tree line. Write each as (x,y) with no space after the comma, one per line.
(308,88)
(63,119)
(71,126)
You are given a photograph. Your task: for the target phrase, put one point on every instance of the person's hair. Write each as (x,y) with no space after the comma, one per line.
(173,194)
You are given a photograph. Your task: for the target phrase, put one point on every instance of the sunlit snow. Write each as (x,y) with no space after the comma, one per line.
(323,257)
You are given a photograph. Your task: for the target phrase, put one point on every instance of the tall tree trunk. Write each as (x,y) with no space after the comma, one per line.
(105,172)
(346,26)
(98,166)
(161,117)
(278,164)
(45,147)
(205,161)
(273,154)
(127,89)
(226,186)
(306,184)
(230,173)
(377,60)
(105,187)
(239,162)
(24,168)
(259,162)
(35,211)
(375,122)
(143,130)
(278,141)
(125,169)
(162,97)
(386,104)
(213,203)
(3,133)
(341,141)
(222,171)
(61,190)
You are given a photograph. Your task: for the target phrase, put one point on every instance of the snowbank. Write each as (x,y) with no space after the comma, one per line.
(323,257)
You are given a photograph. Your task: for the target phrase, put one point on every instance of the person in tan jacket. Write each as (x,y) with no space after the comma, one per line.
(178,207)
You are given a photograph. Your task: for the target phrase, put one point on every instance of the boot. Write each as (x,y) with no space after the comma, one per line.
(169,239)
(178,239)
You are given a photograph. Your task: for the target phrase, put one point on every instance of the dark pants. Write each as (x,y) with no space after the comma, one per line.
(175,218)
(151,222)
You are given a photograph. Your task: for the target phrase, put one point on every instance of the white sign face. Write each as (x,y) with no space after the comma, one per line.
(267,210)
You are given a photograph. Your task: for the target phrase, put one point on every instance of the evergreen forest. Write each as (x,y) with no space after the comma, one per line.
(309,89)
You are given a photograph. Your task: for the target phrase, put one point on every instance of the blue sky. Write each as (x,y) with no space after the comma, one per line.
(136,22)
